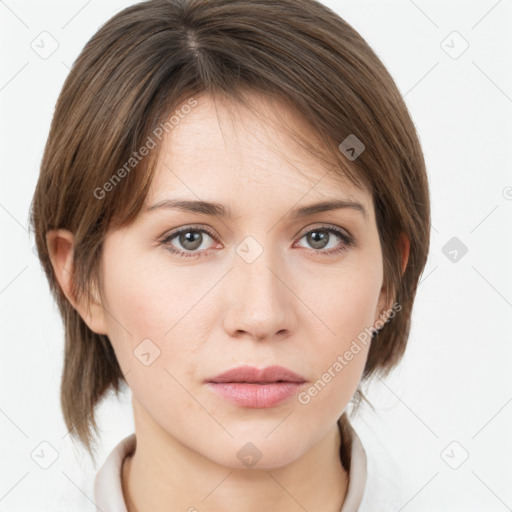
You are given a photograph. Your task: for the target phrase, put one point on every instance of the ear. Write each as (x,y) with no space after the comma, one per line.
(60,247)
(385,304)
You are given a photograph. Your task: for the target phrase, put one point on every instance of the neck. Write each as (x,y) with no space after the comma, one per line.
(163,474)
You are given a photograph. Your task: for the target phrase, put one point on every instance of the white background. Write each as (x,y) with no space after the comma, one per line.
(454,383)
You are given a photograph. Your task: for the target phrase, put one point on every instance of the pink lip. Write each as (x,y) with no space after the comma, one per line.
(249,387)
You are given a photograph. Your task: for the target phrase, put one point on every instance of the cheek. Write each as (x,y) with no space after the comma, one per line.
(344,302)
(142,294)
(136,303)
(147,315)
(156,318)
(345,306)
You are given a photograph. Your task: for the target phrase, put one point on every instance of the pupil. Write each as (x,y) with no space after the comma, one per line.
(190,239)
(318,239)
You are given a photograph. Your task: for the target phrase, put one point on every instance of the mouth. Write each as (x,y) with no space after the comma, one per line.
(246,386)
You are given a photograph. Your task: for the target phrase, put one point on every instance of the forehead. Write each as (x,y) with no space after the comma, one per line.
(221,149)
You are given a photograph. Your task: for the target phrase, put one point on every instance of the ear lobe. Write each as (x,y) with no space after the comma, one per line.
(60,247)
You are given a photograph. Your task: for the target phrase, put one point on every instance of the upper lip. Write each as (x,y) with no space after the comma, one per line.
(252,374)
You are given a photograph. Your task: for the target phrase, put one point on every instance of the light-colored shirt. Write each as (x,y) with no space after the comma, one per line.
(373,479)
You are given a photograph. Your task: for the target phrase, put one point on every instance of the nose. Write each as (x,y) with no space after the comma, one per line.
(260,303)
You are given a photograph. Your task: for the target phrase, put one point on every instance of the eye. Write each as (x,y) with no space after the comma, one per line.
(323,239)
(191,239)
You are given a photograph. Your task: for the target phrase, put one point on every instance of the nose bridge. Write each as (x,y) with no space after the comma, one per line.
(260,301)
(260,275)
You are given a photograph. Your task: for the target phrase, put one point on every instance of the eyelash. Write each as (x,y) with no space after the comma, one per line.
(348,241)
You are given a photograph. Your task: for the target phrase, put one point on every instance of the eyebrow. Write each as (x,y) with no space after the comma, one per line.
(219,210)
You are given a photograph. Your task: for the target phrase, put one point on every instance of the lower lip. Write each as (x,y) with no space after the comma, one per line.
(257,396)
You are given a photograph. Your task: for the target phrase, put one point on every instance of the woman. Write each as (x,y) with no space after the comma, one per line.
(233,215)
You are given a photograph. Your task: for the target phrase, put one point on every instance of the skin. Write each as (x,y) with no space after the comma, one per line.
(294,305)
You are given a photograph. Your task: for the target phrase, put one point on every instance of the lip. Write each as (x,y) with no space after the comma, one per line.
(250,374)
(248,386)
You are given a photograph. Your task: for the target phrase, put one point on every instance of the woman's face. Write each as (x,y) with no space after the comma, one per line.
(262,286)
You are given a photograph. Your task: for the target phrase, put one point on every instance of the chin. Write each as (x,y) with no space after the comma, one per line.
(258,453)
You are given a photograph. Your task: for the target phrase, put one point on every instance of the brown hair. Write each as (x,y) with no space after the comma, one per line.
(154,56)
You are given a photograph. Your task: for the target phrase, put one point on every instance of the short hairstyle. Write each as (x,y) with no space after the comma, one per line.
(148,61)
